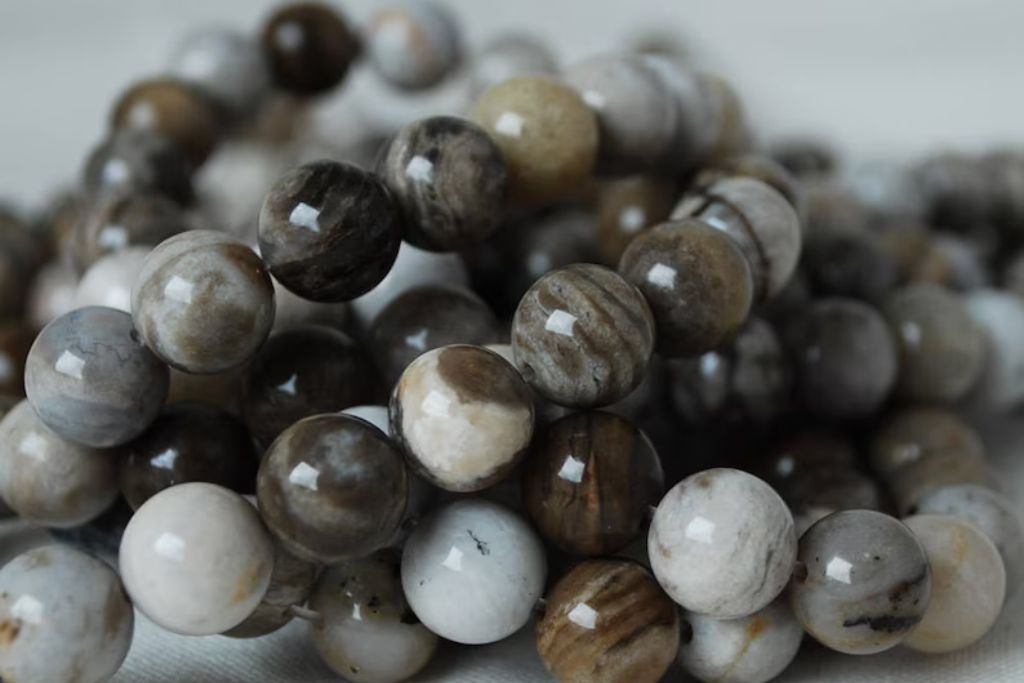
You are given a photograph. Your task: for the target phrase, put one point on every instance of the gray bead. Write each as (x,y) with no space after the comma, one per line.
(108,282)
(92,381)
(64,617)
(413,45)
(507,56)
(49,480)
(227,66)
(862,582)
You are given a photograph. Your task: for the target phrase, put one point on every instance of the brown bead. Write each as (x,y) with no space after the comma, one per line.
(625,208)
(174,110)
(589,481)
(309,47)
(607,621)
(117,221)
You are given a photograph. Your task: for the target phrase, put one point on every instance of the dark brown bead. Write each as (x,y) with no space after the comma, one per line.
(189,442)
(608,621)
(309,47)
(301,372)
(117,221)
(625,208)
(809,451)
(832,489)
(589,481)
(134,161)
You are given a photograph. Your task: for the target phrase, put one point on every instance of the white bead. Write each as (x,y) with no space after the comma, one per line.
(109,280)
(1001,316)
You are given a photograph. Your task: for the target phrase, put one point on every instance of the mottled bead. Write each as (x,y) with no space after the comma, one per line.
(137,161)
(752,649)
(329,231)
(189,441)
(291,584)
(608,621)
(589,482)
(309,47)
(546,132)
(463,415)
(15,342)
(485,555)
(64,616)
(508,55)
(1000,315)
(697,282)
(942,349)
(862,582)
(203,302)
(229,67)
(413,45)
(301,372)
(118,221)
(449,180)
(108,282)
(172,109)
(195,559)
(722,543)
(582,336)
(969,584)
(427,318)
(625,207)
(366,631)
(92,381)
(48,480)
(761,221)
(332,487)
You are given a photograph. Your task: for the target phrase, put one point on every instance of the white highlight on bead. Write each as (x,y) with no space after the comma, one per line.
(838,569)
(420,169)
(572,470)
(28,609)
(510,124)
(454,560)
(661,275)
(170,546)
(560,322)
(305,216)
(179,289)
(701,530)
(305,476)
(584,615)
(69,364)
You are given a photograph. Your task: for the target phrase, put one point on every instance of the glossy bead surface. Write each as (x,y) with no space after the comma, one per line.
(195,559)
(1000,315)
(546,132)
(138,161)
(722,543)
(866,585)
(329,231)
(486,555)
(752,649)
(969,584)
(589,482)
(228,67)
(65,617)
(449,180)
(608,621)
(332,487)
(92,381)
(291,584)
(697,281)
(189,442)
(119,221)
(108,282)
(413,45)
(309,47)
(301,372)
(626,207)
(582,336)
(203,302)
(366,631)
(942,349)
(761,221)
(463,415)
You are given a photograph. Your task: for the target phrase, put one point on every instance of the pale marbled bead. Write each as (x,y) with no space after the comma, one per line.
(969,584)
(63,617)
(413,45)
(228,66)
(196,559)
(1000,315)
(108,281)
(49,480)
(722,543)
(366,631)
(751,649)
(473,572)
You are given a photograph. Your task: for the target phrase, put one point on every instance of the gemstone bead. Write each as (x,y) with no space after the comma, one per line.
(108,282)
(118,221)
(230,68)
(625,207)
(413,45)
(138,161)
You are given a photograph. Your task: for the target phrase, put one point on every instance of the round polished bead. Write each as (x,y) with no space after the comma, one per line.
(189,442)
(485,555)
(229,67)
(49,480)
(309,47)
(203,302)
(942,349)
(449,180)
(463,415)
(172,109)
(366,631)
(291,584)
(301,372)
(761,221)
(51,295)
(508,55)
(862,582)
(413,45)
(969,584)
(608,621)
(64,617)
(546,132)
(722,543)
(195,559)
(590,481)
(1001,316)
(15,342)
(117,221)
(697,281)
(329,231)
(108,282)
(137,161)
(428,318)
(626,207)
(582,336)
(752,649)
(92,381)
(332,487)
